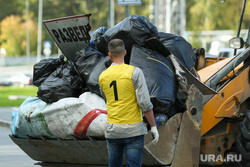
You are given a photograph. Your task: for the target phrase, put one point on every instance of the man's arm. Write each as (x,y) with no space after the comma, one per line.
(143,100)
(141,90)
(150,117)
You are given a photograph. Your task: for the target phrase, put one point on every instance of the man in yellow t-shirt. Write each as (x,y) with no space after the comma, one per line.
(127,99)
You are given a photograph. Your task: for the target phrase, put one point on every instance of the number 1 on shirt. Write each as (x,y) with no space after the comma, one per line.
(113,83)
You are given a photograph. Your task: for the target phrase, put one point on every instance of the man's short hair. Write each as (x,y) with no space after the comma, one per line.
(116,47)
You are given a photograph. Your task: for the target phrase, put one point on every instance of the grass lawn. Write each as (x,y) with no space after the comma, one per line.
(14,96)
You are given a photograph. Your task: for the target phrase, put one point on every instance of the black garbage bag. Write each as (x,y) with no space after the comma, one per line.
(85,61)
(93,79)
(44,68)
(134,29)
(159,75)
(182,49)
(63,82)
(94,35)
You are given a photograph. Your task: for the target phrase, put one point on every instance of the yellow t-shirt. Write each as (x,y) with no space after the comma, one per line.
(116,84)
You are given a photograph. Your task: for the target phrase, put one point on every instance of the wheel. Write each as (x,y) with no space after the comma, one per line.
(243,140)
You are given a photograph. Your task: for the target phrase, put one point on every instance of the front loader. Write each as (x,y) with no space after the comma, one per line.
(214,129)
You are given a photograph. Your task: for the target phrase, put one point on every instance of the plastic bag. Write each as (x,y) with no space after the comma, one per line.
(85,61)
(159,75)
(134,29)
(63,82)
(43,69)
(66,117)
(93,79)
(83,116)
(95,35)
(179,47)
(29,120)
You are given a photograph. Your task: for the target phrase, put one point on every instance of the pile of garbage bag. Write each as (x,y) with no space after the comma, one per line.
(56,79)
(159,75)
(80,117)
(69,90)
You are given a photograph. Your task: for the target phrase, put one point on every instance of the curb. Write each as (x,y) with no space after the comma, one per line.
(5,124)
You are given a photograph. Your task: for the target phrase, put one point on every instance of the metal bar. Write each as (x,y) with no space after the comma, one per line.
(27,34)
(241,18)
(220,74)
(111,20)
(127,10)
(39,37)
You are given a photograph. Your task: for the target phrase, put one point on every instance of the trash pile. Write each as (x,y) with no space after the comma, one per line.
(69,102)
(80,117)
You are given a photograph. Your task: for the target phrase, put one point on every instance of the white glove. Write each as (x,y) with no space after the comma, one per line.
(155,135)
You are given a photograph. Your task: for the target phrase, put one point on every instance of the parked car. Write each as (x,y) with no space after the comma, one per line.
(4,81)
(19,79)
(31,78)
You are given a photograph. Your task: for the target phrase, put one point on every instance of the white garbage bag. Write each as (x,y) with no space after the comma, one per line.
(83,116)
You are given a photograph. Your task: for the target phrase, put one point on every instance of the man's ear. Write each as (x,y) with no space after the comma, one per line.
(125,53)
(110,56)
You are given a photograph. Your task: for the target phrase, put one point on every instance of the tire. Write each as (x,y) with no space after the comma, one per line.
(243,140)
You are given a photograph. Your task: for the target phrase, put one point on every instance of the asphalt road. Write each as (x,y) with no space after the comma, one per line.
(5,116)
(10,154)
(5,113)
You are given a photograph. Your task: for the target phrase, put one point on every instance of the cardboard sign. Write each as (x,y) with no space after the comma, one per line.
(71,34)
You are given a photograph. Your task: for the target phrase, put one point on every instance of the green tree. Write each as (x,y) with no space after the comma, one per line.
(13,35)
(200,15)
(213,15)
(11,7)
